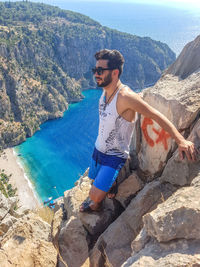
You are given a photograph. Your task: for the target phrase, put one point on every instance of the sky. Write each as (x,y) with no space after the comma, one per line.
(189,4)
(174,3)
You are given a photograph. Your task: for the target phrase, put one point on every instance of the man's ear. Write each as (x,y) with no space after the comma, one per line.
(116,72)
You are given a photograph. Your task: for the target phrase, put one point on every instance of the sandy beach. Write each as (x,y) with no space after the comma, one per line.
(8,162)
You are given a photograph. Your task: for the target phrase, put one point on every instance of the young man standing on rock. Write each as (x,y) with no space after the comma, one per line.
(117,111)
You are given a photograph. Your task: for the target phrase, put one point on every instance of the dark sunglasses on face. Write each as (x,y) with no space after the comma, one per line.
(100,70)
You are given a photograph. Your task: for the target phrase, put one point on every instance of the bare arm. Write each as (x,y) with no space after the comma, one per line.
(135,102)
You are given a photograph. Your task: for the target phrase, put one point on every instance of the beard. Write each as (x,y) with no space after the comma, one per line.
(107,80)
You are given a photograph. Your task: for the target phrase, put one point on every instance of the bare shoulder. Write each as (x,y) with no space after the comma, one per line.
(128,99)
(128,95)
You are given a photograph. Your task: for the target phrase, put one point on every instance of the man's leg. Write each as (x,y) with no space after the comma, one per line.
(97,196)
(105,178)
(113,190)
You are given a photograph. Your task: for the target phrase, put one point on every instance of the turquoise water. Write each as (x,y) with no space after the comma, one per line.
(60,152)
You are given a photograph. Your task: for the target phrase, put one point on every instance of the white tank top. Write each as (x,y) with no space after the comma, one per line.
(115,132)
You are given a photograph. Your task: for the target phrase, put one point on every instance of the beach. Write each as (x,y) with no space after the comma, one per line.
(26,195)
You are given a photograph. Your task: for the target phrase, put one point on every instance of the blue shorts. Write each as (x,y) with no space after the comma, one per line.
(104,169)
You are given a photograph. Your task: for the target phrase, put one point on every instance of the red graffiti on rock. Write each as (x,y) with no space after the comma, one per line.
(146,122)
(162,135)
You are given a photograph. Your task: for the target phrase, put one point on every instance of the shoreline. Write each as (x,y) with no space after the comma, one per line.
(25,190)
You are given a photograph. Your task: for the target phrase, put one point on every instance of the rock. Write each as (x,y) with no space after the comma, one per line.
(74,197)
(114,245)
(140,241)
(179,101)
(4,206)
(5,262)
(176,172)
(188,61)
(97,222)
(175,253)
(128,188)
(196,181)
(13,203)
(20,212)
(125,171)
(56,225)
(23,252)
(179,172)
(6,223)
(73,245)
(177,217)
(30,224)
(135,144)
(27,243)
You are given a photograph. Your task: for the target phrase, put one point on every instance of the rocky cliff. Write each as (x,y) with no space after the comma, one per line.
(46,56)
(155,218)
(25,238)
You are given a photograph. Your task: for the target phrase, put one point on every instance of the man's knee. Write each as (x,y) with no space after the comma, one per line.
(96,194)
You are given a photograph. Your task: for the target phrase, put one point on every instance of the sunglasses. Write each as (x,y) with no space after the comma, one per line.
(100,70)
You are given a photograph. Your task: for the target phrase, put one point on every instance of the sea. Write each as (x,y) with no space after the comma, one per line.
(59,153)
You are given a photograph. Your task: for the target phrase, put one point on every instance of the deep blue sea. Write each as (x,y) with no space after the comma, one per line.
(60,152)
(56,156)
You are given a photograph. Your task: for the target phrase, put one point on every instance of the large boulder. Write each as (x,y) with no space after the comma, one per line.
(179,101)
(114,245)
(181,172)
(177,217)
(188,61)
(75,196)
(175,253)
(128,188)
(170,235)
(27,243)
(73,246)
(95,222)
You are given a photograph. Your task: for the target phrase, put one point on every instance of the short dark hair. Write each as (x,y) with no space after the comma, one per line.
(114,57)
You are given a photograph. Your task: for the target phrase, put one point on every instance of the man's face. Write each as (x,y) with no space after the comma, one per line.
(105,78)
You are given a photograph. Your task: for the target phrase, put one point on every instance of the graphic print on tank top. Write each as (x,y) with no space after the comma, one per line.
(115,138)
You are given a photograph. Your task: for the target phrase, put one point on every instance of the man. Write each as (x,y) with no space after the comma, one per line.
(117,111)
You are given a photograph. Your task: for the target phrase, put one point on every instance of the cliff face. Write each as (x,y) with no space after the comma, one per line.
(25,237)
(188,61)
(154,220)
(46,56)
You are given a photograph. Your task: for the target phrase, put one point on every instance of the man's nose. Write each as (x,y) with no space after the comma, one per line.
(96,74)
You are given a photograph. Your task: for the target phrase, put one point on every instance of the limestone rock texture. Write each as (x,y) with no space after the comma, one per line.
(188,61)
(179,172)
(179,100)
(177,217)
(154,219)
(27,242)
